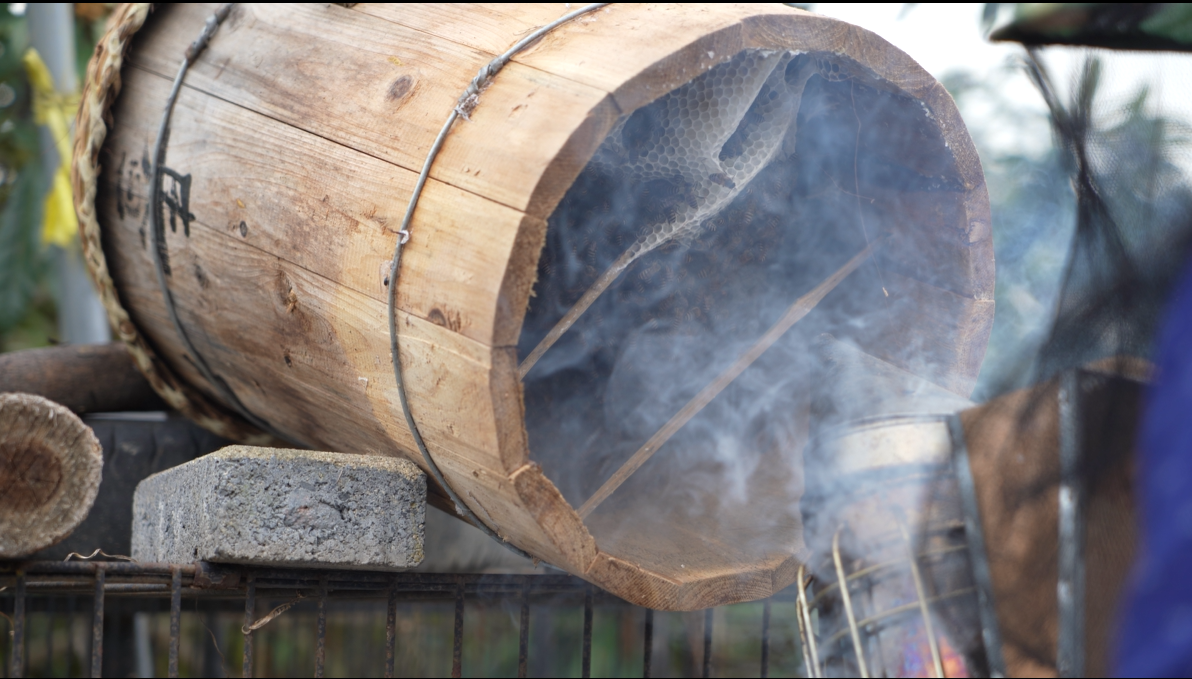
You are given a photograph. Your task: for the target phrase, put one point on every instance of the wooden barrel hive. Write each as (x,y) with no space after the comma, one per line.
(293,151)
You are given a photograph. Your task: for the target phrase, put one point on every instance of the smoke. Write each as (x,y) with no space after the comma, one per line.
(867,166)
(859,162)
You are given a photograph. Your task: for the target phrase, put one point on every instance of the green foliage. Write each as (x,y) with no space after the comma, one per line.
(23,263)
(26,308)
(1172,21)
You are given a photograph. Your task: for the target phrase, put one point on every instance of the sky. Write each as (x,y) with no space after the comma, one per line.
(945,37)
(940,36)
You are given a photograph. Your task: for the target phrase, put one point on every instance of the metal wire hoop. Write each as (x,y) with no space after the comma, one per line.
(157,228)
(463,107)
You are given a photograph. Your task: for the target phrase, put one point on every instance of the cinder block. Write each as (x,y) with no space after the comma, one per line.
(278,507)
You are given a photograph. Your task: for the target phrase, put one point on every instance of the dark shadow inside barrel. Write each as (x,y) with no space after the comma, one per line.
(870,165)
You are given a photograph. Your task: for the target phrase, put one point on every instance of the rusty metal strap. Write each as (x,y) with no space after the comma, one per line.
(978,557)
(463,108)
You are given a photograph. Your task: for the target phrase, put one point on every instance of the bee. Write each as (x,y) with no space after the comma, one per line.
(750,208)
(660,199)
(723,180)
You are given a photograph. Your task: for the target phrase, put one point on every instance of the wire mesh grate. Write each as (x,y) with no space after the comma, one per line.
(93,618)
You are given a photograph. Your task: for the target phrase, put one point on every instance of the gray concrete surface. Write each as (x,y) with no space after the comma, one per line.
(269,506)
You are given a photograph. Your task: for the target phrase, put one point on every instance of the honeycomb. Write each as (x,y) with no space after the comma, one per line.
(699,145)
(690,154)
(689,198)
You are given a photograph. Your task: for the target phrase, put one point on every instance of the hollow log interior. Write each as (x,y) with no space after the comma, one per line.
(870,165)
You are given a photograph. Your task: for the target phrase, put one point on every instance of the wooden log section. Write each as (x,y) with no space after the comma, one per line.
(294,147)
(50,466)
(88,378)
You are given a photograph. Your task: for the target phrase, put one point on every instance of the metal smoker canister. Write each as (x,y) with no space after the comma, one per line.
(888,590)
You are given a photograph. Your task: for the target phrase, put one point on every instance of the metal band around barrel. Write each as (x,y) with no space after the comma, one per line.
(157,227)
(463,107)
(978,557)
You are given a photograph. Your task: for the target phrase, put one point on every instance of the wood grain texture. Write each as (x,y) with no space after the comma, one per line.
(298,135)
(50,468)
(283,62)
(918,320)
(88,378)
(330,210)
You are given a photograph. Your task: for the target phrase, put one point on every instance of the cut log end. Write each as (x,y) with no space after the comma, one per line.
(50,468)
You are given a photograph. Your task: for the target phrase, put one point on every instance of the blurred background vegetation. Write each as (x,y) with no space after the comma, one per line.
(28,291)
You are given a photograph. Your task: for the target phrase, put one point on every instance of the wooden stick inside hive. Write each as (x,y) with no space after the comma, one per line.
(794,314)
(743,112)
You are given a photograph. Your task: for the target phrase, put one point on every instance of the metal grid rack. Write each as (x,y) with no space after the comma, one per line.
(859,640)
(29,586)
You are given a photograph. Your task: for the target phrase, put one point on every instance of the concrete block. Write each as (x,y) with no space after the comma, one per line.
(278,507)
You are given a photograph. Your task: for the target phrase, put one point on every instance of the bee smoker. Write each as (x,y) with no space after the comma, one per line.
(888,590)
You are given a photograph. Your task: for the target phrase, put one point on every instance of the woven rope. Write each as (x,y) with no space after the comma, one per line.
(100,90)
(157,228)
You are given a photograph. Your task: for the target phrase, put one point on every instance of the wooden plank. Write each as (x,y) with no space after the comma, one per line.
(930,332)
(659,46)
(486,27)
(930,240)
(291,343)
(382,90)
(319,342)
(329,355)
(679,567)
(545,503)
(326,208)
(258,272)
